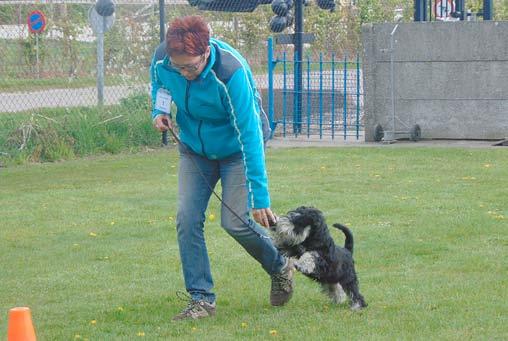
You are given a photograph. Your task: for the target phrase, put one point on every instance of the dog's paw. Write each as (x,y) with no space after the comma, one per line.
(339,295)
(358,305)
(306,264)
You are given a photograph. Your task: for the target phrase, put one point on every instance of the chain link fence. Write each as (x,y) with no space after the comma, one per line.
(48,81)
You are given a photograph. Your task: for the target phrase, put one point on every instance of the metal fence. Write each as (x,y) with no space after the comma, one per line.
(53,73)
(325,100)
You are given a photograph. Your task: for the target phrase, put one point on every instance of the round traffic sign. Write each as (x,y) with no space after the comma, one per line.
(443,9)
(36,21)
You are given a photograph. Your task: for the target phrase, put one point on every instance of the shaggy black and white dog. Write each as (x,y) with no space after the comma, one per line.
(303,235)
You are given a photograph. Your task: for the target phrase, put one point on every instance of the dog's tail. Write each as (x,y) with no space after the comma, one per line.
(348,244)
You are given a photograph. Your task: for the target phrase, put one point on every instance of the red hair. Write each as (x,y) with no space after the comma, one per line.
(187,35)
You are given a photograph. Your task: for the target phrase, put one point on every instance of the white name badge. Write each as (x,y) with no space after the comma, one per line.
(163,101)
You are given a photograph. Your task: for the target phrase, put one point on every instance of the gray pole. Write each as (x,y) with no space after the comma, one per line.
(37,54)
(162,32)
(100,64)
(390,135)
(162,35)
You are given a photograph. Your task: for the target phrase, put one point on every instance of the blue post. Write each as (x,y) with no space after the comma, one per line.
(308,97)
(345,96)
(488,10)
(357,96)
(284,95)
(321,95)
(333,96)
(420,10)
(297,94)
(298,79)
(271,65)
(459,7)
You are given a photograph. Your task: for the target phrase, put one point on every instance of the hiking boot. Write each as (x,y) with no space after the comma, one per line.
(196,310)
(282,286)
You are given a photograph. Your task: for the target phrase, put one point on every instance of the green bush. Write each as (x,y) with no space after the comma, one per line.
(60,134)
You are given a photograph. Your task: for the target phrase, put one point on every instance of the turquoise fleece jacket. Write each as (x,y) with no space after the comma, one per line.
(218,113)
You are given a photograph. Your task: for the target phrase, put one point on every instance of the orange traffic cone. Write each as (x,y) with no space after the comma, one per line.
(20,325)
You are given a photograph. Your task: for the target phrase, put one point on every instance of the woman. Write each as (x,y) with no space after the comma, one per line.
(219,115)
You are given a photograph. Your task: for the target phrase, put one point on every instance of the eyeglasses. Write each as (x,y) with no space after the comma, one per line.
(188,67)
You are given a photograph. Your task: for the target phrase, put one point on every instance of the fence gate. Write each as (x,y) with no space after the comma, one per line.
(329,103)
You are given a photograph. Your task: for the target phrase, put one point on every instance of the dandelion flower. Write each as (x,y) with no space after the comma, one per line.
(94,322)
(468,178)
(273,332)
(244,325)
(141,333)
(92,234)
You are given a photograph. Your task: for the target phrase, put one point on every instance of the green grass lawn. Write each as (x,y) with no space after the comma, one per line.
(89,245)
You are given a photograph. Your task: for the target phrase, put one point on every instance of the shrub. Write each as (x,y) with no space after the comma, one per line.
(60,134)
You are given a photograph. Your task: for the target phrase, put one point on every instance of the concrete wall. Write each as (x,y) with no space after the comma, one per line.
(450,78)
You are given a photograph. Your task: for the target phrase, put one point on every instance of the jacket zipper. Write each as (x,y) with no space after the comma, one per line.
(188,111)
(200,139)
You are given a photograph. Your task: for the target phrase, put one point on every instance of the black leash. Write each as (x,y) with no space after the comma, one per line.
(177,139)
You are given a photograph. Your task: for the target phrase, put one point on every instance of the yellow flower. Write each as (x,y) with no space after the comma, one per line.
(120,308)
(487,165)
(141,333)
(211,217)
(468,178)
(112,223)
(92,234)
(244,325)
(94,322)
(273,332)
(77,336)
(194,329)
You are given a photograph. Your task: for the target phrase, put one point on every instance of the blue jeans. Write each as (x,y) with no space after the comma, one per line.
(193,197)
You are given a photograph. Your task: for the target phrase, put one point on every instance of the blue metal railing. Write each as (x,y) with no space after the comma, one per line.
(314,109)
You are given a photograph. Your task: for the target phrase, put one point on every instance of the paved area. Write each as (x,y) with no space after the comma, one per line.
(30,100)
(295,142)
(71,97)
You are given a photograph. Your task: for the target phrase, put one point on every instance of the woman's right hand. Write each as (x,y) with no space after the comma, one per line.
(162,123)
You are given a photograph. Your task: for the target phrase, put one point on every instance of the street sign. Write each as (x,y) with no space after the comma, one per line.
(36,21)
(443,9)
(100,24)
